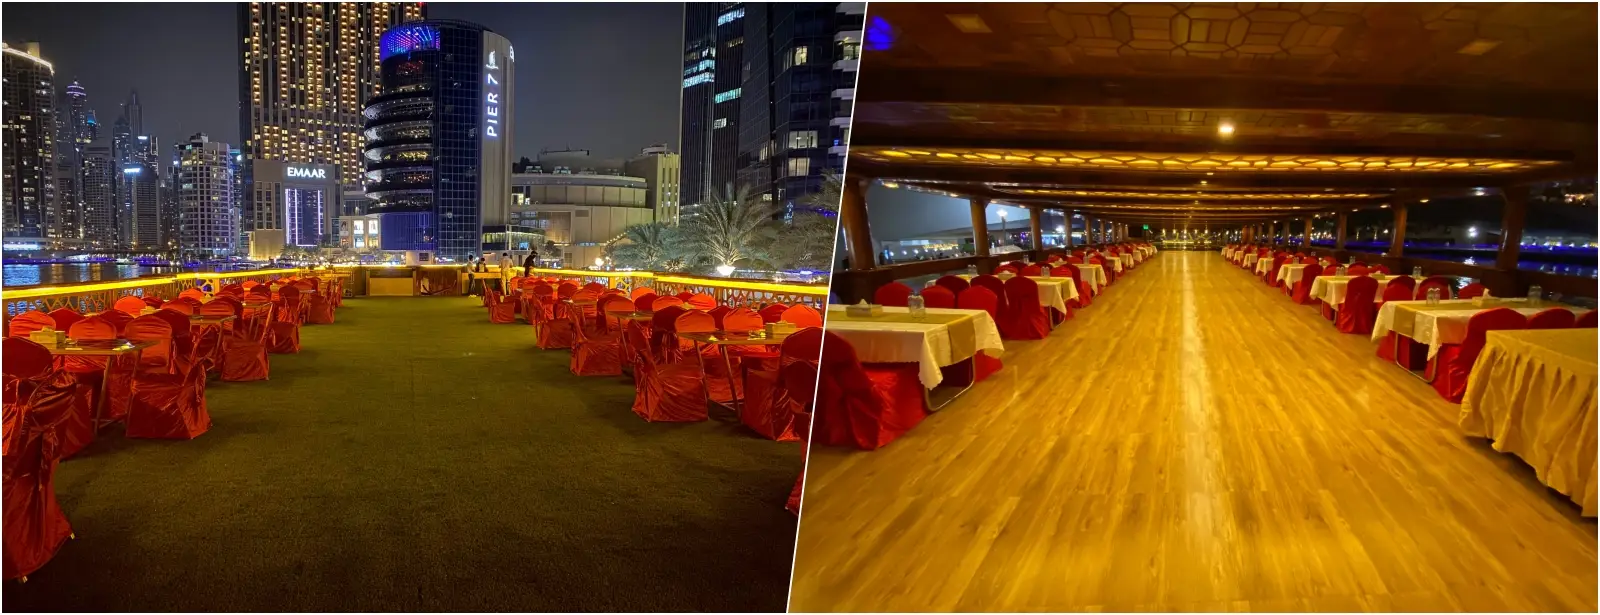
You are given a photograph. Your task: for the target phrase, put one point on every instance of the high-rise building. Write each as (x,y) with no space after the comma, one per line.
(101,177)
(438,139)
(28,152)
(124,132)
(76,128)
(660,167)
(204,179)
(699,87)
(307,69)
(140,212)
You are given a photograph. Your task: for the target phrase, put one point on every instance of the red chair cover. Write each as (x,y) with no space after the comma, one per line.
(1033,270)
(321,311)
(743,319)
(193,293)
(866,409)
(183,340)
(1359,309)
(1409,283)
(893,294)
(549,332)
(938,297)
(168,399)
(502,310)
(1586,320)
(1357,270)
(980,298)
(244,351)
(1302,289)
(1024,318)
(1007,268)
(993,285)
(65,317)
(596,353)
(1272,274)
(644,302)
(717,313)
(665,301)
(39,400)
(640,292)
(566,290)
(1085,292)
(1553,318)
(1440,282)
(770,404)
(1396,292)
(594,286)
(1454,361)
(130,304)
(1075,260)
(1472,290)
(685,295)
(1380,268)
(773,313)
(955,284)
(701,301)
(802,316)
(27,322)
(116,318)
(663,392)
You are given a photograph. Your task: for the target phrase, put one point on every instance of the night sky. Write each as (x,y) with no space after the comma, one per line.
(604,77)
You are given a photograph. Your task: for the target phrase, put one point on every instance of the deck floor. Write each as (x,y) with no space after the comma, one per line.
(417,458)
(1192,441)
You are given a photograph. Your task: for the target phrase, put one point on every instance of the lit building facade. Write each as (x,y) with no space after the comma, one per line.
(581,213)
(438,140)
(101,177)
(661,169)
(28,152)
(76,129)
(301,200)
(205,183)
(139,214)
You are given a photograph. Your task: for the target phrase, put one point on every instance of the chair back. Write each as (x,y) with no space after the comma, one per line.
(1357,270)
(117,318)
(130,305)
(1440,282)
(28,322)
(193,293)
(187,308)
(1553,318)
(644,302)
(156,328)
(694,321)
(954,283)
(701,301)
(1061,271)
(596,287)
(96,327)
(665,319)
(1075,260)
(1472,290)
(566,290)
(773,313)
(25,359)
(235,290)
(1021,293)
(65,317)
(665,301)
(938,297)
(1006,268)
(1497,319)
(892,294)
(994,285)
(1394,292)
(260,290)
(1380,268)
(1033,270)
(152,301)
(1362,291)
(802,316)
(1410,284)
(640,292)
(980,298)
(717,313)
(221,307)
(619,306)
(741,319)
(1587,320)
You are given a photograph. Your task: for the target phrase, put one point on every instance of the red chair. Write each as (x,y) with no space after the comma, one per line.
(1553,318)
(1007,268)
(599,354)
(1440,282)
(773,313)
(893,294)
(1272,274)
(1302,289)
(28,322)
(1453,364)
(802,316)
(1472,290)
(1395,292)
(193,293)
(685,295)
(566,290)
(1380,268)
(1586,320)
(863,408)
(1408,282)
(183,340)
(665,301)
(185,306)
(701,301)
(321,310)
(938,297)
(244,351)
(549,332)
(65,317)
(769,404)
(979,298)
(168,400)
(502,310)
(955,284)
(717,313)
(1032,270)
(38,400)
(1075,260)
(1359,309)
(1356,270)
(1025,318)
(664,344)
(640,292)
(644,302)
(995,286)
(208,344)
(130,305)
(1084,291)
(663,392)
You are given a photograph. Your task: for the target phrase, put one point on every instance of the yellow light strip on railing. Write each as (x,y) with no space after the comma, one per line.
(771,287)
(603,274)
(26,293)
(245,274)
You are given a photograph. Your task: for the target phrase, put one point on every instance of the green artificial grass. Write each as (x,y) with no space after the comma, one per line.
(414,457)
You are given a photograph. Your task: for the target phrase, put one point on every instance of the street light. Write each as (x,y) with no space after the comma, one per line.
(725,270)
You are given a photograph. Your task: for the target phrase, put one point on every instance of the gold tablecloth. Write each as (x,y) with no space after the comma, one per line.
(1533,393)
(945,337)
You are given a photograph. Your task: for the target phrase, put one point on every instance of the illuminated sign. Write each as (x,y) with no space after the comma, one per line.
(491,109)
(23,246)
(132,171)
(307,173)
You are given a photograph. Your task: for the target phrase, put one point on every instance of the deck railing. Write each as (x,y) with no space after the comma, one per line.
(87,297)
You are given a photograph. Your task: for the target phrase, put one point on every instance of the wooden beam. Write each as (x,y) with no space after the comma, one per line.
(1513,217)
(1307,240)
(1338,233)
(853,221)
(1035,222)
(1238,180)
(980,226)
(1397,240)
(1272,232)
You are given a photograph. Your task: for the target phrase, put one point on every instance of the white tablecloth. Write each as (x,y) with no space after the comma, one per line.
(1331,288)
(1251,258)
(1263,265)
(1095,275)
(1227,253)
(1054,292)
(1444,326)
(926,344)
(1127,261)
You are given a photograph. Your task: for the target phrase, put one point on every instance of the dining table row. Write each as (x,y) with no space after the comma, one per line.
(1523,369)
(684,352)
(142,362)
(890,363)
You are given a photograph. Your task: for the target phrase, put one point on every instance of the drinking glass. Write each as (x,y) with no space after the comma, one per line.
(917,307)
(1535,295)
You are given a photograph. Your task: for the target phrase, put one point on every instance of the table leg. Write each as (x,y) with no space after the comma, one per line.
(727,364)
(105,394)
(704,388)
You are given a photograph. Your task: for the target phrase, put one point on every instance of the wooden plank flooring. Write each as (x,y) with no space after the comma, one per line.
(1193,441)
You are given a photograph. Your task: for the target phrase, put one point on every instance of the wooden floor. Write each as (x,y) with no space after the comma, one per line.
(1192,441)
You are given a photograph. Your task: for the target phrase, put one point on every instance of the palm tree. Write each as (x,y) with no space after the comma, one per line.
(649,245)
(730,229)
(809,239)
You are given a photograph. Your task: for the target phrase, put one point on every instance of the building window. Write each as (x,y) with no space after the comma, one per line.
(723,97)
(795,57)
(730,16)
(799,167)
(721,122)
(849,50)
(801,139)
(697,80)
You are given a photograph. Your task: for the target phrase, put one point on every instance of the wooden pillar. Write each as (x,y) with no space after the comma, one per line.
(980,226)
(1035,226)
(1066,217)
(1272,232)
(1338,232)
(1397,237)
(1511,223)
(1307,244)
(853,220)
(1103,236)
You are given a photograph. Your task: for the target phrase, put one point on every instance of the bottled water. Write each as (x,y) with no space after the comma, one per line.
(1416,272)
(1433,296)
(917,307)
(1535,295)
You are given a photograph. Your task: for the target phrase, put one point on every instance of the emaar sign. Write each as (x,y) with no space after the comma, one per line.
(305,173)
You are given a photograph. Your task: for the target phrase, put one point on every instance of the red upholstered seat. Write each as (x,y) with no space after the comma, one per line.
(893,294)
(1454,361)
(865,409)
(1386,351)
(979,298)
(39,399)
(1440,282)
(769,404)
(27,322)
(955,284)
(938,297)
(994,286)
(1553,318)
(168,399)
(65,317)
(1471,290)
(502,310)
(1302,289)
(1359,309)
(644,302)
(663,392)
(244,350)
(802,316)
(130,305)
(701,301)
(1024,318)
(1586,320)
(596,353)
(549,332)
(773,313)
(640,292)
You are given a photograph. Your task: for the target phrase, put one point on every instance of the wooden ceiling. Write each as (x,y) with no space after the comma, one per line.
(1145,104)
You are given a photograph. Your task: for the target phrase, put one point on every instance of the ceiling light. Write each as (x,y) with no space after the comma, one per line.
(971,24)
(1478,47)
(1225,129)
(891,185)
(1203,182)
(1383,207)
(1423,201)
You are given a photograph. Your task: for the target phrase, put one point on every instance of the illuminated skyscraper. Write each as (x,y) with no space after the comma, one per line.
(28,152)
(204,181)
(306,70)
(140,210)
(713,74)
(101,176)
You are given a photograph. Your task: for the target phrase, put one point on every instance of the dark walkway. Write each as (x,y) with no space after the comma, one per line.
(416,458)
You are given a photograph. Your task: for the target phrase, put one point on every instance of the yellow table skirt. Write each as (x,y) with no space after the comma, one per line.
(1533,393)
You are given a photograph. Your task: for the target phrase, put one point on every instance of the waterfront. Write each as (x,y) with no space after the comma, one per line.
(70,273)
